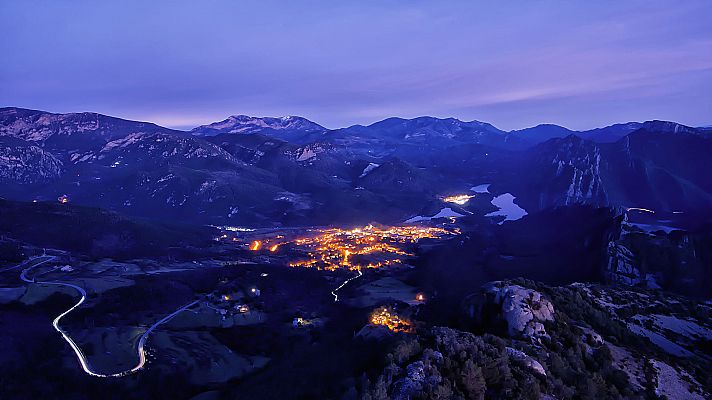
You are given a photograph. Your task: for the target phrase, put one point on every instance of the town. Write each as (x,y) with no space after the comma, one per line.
(354,249)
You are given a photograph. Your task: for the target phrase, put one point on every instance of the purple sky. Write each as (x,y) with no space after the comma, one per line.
(581,64)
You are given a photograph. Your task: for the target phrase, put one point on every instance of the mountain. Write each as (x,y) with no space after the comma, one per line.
(409,139)
(145,170)
(611,133)
(608,134)
(262,171)
(541,133)
(656,167)
(661,169)
(69,131)
(562,171)
(22,162)
(285,127)
(404,137)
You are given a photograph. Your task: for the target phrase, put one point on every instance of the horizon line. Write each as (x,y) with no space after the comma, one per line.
(188,127)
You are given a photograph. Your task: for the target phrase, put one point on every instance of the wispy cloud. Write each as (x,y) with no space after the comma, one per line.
(338,63)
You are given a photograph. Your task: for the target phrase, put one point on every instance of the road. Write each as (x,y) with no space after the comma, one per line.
(140,348)
(333,292)
(640,209)
(40,259)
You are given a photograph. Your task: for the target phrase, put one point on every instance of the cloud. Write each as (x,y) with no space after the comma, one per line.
(344,63)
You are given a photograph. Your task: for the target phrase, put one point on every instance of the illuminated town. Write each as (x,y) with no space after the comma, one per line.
(460,199)
(354,249)
(388,318)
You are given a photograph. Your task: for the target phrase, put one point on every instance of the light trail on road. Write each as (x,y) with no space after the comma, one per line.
(80,355)
(28,260)
(333,292)
(640,209)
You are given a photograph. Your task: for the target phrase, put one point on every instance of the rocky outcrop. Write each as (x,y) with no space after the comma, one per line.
(522,358)
(524,310)
(622,265)
(23,163)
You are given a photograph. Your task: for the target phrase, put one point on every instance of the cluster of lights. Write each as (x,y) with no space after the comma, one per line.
(459,199)
(256,245)
(386,317)
(333,249)
(233,228)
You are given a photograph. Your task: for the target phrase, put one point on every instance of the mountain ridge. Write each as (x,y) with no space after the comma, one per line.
(241,123)
(303,174)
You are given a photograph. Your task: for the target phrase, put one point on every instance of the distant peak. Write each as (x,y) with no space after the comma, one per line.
(667,126)
(249,124)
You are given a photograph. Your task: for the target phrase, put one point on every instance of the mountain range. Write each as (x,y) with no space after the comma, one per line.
(291,171)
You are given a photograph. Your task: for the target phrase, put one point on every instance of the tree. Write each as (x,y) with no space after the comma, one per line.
(473,382)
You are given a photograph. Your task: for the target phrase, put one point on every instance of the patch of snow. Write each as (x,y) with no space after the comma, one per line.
(484,188)
(507,208)
(446,212)
(307,153)
(370,167)
(233,211)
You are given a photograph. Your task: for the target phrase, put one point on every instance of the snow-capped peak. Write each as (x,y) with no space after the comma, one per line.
(248,124)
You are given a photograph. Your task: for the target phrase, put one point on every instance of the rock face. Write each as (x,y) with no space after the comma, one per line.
(564,171)
(622,265)
(524,310)
(24,163)
(522,358)
(656,258)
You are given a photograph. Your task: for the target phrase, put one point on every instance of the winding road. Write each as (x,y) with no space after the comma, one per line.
(333,292)
(80,355)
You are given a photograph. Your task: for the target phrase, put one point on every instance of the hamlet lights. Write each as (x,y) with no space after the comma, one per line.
(386,317)
(460,199)
(334,249)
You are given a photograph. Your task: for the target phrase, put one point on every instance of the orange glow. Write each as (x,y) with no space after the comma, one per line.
(388,318)
(256,245)
(274,248)
(460,199)
(420,297)
(367,247)
(346,257)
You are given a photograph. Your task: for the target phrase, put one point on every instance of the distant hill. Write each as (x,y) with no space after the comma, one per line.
(290,171)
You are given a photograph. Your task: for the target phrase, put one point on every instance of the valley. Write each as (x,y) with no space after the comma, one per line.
(359,200)
(211,263)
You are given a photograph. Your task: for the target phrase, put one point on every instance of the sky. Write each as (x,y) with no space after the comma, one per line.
(581,64)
